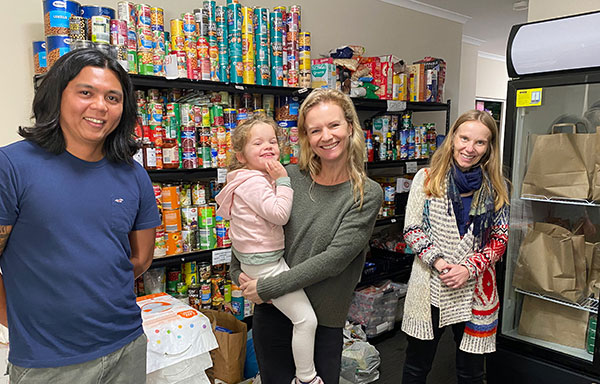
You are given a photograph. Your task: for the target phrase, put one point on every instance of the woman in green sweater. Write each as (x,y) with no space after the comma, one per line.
(326,239)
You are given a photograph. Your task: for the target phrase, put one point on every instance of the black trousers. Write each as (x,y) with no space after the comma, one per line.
(272,335)
(420,354)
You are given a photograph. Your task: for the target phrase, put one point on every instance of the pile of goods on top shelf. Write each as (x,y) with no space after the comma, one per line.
(381,77)
(233,44)
(228,43)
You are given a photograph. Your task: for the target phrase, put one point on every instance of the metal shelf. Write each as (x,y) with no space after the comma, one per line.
(182,174)
(393,163)
(560,200)
(389,220)
(588,304)
(146,82)
(201,255)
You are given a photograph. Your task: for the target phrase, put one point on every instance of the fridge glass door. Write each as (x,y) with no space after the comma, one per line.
(553,254)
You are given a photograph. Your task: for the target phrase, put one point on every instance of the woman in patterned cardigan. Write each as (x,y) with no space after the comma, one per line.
(457,225)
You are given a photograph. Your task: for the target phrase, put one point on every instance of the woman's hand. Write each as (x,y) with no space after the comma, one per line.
(243,278)
(249,291)
(440,264)
(456,277)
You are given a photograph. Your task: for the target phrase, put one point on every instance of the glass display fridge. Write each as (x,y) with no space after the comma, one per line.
(549,279)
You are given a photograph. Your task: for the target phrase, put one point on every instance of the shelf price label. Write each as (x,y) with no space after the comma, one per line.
(396,106)
(221,256)
(221,175)
(411,167)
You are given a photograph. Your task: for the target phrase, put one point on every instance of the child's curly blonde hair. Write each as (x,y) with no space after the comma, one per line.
(241,134)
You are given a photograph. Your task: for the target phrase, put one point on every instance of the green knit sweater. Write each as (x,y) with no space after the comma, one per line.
(326,240)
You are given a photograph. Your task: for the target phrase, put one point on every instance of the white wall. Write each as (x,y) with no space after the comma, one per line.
(548,9)
(382,28)
(468,77)
(492,78)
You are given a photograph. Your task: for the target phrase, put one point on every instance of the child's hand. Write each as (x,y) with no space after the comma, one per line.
(275,169)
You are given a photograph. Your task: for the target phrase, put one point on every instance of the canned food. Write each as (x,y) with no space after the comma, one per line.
(206,293)
(204,270)
(78,28)
(174,243)
(56,46)
(194,296)
(39,57)
(100,29)
(189,217)
(170,196)
(88,11)
(172,219)
(190,240)
(57,15)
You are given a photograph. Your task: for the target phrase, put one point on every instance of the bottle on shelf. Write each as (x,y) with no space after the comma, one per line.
(369,147)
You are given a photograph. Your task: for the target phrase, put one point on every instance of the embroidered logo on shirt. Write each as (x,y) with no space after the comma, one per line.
(118,201)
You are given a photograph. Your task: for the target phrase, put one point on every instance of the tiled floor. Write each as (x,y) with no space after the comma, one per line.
(392,349)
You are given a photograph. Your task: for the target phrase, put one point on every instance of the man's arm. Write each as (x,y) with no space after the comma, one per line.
(4,233)
(142,249)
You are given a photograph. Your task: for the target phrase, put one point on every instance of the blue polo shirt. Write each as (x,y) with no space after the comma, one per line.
(66,269)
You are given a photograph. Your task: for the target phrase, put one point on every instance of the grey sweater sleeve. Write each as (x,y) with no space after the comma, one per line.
(349,241)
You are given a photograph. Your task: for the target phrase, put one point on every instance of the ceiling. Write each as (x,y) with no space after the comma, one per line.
(490,20)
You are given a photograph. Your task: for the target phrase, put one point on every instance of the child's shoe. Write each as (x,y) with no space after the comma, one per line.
(316,380)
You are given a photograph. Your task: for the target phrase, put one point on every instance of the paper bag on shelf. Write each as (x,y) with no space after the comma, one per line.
(561,165)
(592,256)
(596,179)
(553,322)
(229,358)
(552,262)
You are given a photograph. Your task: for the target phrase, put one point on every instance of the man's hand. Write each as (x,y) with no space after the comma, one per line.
(275,169)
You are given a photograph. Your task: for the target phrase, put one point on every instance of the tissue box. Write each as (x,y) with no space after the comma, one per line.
(176,332)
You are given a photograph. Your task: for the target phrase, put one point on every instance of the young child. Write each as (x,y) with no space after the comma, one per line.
(257,200)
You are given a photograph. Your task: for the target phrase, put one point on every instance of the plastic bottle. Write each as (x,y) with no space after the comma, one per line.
(369,146)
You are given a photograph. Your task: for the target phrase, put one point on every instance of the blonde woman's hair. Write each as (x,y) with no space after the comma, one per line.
(241,135)
(310,162)
(490,162)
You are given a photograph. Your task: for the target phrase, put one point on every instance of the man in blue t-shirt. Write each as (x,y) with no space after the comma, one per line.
(77,226)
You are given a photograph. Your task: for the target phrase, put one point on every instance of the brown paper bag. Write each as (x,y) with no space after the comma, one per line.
(596,180)
(229,358)
(552,262)
(553,322)
(561,165)
(592,256)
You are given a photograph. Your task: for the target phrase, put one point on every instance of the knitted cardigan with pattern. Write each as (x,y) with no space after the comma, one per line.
(430,229)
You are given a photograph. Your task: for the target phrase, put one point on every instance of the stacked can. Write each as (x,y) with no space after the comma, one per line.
(126,11)
(188,136)
(248,52)
(209,7)
(222,43)
(172,218)
(145,57)
(219,137)
(276,34)
(157,25)
(234,39)
(261,34)
(193,70)
(160,246)
(203,130)
(304,75)
(284,45)
(206,226)
(292,37)
(177,39)
(203,58)
(201,17)
(189,219)
(56,27)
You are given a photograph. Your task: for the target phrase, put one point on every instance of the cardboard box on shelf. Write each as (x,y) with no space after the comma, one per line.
(438,67)
(416,82)
(323,73)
